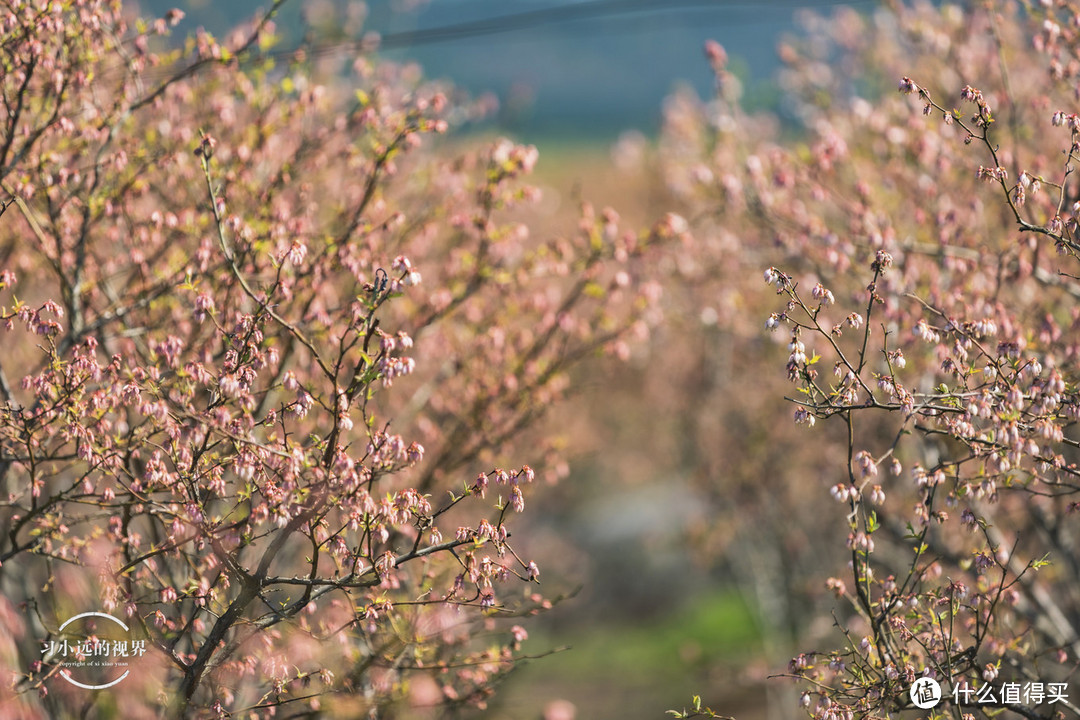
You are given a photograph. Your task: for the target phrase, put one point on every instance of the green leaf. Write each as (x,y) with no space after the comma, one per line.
(594,290)
(872,524)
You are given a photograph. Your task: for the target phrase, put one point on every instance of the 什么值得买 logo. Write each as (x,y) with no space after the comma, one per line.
(925,693)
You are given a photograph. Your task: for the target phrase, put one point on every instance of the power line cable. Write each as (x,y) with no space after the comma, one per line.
(744,13)
(573,12)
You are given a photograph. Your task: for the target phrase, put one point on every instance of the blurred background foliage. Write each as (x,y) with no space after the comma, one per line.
(673,530)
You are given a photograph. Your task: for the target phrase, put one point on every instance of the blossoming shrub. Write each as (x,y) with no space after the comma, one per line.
(922,248)
(266,370)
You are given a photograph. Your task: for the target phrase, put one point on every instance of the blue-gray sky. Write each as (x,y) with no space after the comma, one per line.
(563,67)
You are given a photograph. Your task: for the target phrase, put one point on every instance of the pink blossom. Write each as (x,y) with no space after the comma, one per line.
(822,294)
(715,53)
(204,305)
(297,252)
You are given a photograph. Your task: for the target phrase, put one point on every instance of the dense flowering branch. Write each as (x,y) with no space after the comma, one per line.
(269,421)
(946,315)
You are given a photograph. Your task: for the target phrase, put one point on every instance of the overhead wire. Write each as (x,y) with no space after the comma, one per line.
(745,13)
(573,12)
